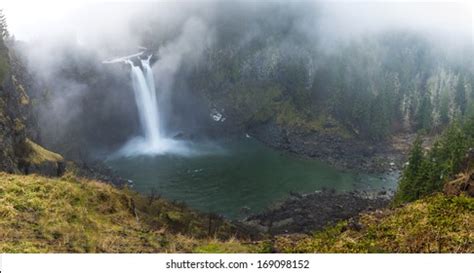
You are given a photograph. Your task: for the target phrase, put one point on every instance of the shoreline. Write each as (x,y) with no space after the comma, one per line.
(306,213)
(349,154)
(309,211)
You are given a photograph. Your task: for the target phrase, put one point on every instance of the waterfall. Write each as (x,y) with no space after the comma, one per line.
(145,97)
(152,141)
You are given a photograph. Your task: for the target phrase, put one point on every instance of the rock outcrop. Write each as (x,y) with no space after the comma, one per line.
(345,153)
(39,160)
(305,213)
(464,182)
(18,153)
(12,128)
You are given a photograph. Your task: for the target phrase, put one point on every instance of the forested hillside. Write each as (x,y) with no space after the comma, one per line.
(369,88)
(433,209)
(378,126)
(283,73)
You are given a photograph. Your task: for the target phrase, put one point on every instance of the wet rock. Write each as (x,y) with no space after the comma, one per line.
(315,211)
(98,171)
(296,195)
(179,135)
(346,153)
(47,168)
(256,225)
(244,210)
(280,226)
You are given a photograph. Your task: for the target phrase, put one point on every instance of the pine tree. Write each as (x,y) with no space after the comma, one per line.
(444,108)
(424,118)
(453,146)
(408,189)
(3,26)
(426,174)
(460,95)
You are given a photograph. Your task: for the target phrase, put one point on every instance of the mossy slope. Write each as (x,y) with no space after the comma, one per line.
(437,223)
(38,154)
(39,214)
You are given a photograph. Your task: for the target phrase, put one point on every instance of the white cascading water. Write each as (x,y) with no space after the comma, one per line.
(153,141)
(145,98)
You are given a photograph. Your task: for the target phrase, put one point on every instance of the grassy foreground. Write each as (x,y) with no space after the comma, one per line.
(437,223)
(39,214)
(68,214)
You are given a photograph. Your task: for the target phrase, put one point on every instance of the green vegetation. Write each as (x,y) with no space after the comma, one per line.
(436,223)
(39,214)
(427,172)
(70,214)
(426,220)
(4,34)
(37,154)
(257,104)
(4,67)
(369,88)
(230,246)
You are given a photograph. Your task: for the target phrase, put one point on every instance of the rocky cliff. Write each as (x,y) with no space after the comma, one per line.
(19,153)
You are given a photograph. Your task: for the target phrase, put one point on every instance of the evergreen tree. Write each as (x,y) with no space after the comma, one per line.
(3,26)
(460,95)
(453,145)
(429,175)
(408,190)
(426,174)
(444,108)
(424,113)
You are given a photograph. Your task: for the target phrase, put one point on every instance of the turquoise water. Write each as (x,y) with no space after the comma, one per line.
(239,173)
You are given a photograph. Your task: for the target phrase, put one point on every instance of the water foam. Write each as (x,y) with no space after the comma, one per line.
(152,142)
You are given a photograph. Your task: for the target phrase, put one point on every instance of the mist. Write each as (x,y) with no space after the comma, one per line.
(81,97)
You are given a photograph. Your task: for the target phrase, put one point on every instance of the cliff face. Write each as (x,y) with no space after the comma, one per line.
(19,154)
(84,108)
(12,129)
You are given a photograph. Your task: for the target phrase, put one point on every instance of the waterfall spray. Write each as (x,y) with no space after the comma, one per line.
(152,141)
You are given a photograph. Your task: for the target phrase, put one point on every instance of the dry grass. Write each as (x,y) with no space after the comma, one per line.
(38,154)
(434,224)
(39,214)
(70,214)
